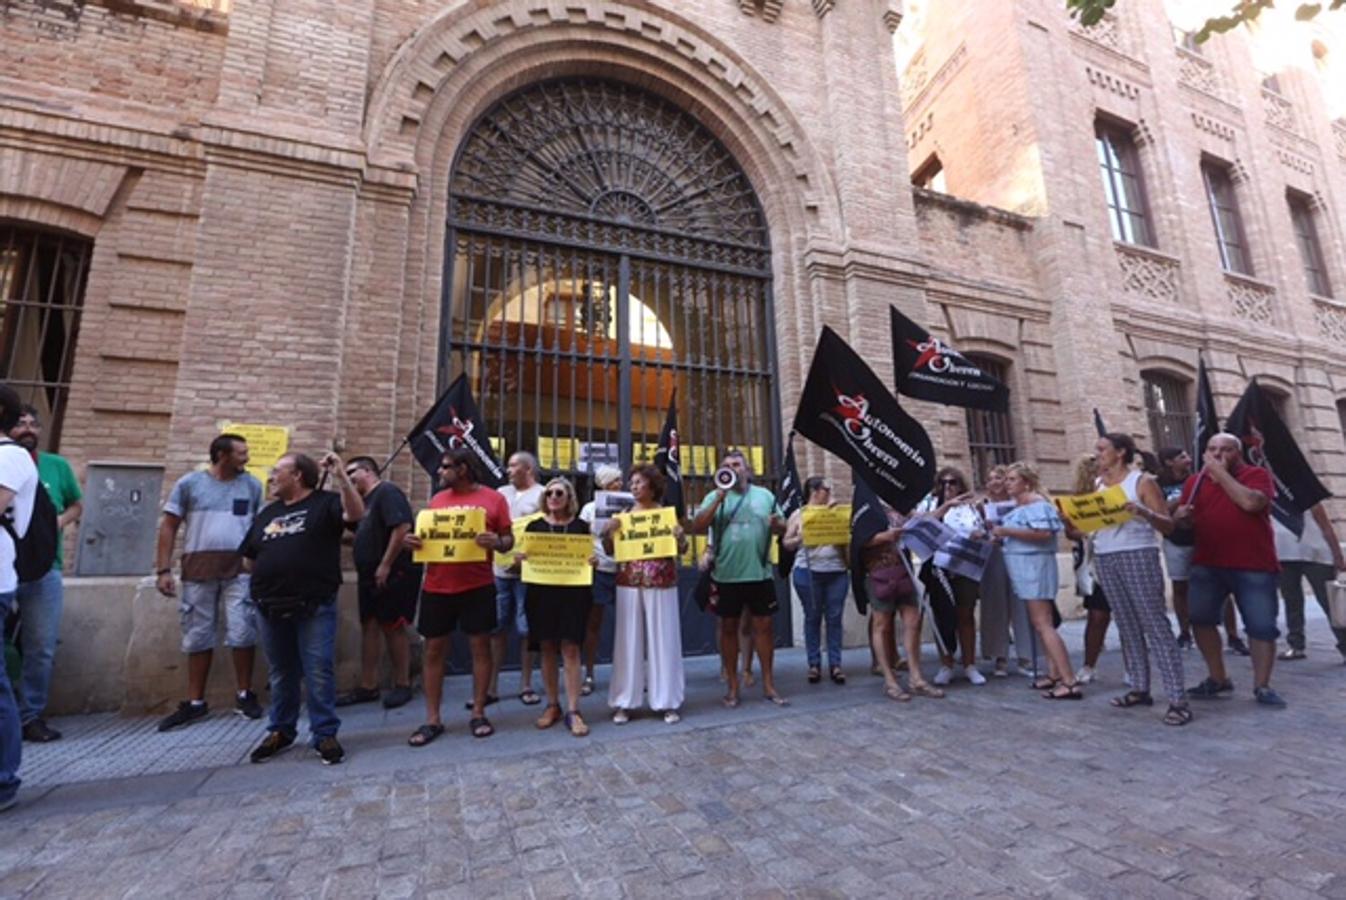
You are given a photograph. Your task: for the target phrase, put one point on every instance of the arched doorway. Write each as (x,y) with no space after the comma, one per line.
(603,250)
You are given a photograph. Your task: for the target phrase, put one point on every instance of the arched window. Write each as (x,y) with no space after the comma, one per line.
(606,250)
(42,277)
(1167,409)
(990,437)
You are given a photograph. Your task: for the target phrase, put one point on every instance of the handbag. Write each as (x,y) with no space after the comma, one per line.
(888,583)
(1336,603)
(287,608)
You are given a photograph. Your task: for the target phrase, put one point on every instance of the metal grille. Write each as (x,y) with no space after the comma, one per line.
(990,436)
(605,250)
(42,277)
(1171,420)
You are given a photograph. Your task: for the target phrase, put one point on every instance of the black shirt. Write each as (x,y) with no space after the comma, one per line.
(386,507)
(296,549)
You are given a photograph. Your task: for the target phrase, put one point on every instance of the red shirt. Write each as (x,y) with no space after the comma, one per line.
(1226,536)
(456,578)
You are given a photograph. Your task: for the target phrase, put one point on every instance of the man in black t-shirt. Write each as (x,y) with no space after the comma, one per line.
(389,583)
(294,553)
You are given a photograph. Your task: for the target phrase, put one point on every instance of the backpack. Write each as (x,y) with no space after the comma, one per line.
(35,552)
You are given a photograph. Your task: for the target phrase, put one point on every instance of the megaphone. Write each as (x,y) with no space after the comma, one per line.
(726,479)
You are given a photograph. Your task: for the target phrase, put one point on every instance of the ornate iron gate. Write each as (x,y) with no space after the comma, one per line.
(604,250)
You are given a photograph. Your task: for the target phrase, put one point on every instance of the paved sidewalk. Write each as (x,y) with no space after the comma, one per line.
(991,791)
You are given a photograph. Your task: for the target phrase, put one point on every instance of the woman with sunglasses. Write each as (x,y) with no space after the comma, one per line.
(819,577)
(558,616)
(952,502)
(648,626)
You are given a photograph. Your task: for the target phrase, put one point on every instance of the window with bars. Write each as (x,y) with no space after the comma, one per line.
(1306,236)
(42,278)
(1167,409)
(1119,164)
(1224,216)
(990,436)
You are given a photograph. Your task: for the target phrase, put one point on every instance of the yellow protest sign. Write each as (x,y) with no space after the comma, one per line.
(266,445)
(558,559)
(826,525)
(450,535)
(505,559)
(1092,512)
(646,534)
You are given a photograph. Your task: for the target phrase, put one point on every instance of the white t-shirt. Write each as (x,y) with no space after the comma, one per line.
(1311,547)
(521,503)
(18,473)
(605,563)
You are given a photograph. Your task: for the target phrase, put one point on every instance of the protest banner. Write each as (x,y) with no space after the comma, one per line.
(1097,510)
(505,559)
(826,525)
(964,556)
(646,534)
(450,535)
(557,559)
(924,535)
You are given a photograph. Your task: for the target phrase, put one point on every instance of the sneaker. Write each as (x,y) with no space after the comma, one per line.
(1267,696)
(273,743)
(357,695)
(1290,653)
(1210,689)
(246,705)
(186,713)
(620,717)
(974,675)
(400,695)
(943,676)
(671,717)
(39,732)
(1237,647)
(329,748)
(1085,675)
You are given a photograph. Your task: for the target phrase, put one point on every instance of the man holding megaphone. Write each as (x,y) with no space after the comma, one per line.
(741,519)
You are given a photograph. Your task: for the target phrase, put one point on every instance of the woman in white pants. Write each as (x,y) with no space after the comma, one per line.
(648,626)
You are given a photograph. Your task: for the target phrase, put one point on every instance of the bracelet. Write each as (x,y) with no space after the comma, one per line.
(163,572)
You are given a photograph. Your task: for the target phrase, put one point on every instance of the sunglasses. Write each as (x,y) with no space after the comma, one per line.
(351,473)
(556,492)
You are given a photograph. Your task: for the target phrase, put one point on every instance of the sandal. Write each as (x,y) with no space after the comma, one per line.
(481,727)
(550,716)
(576,724)
(587,686)
(926,689)
(490,698)
(730,701)
(896,693)
(529,697)
(815,675)
(838,676)
(1072,692)
(777,699)
(1133,698)
(425,734)
(1177,715)
(1045,683)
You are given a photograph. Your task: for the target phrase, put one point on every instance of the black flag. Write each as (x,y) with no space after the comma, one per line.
(846,409)
(867,520)
(790,497)
(929,369)
(668,458)
(454,422)
(1207,422)
(1268,443)
(1098,423)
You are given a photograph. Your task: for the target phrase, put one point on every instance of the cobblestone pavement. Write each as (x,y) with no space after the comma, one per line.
(991,791)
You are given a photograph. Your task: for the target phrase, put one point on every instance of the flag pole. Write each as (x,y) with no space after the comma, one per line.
(389,461)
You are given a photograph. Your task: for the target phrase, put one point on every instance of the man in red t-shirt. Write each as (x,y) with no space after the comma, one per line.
(460,595)
(1229,505)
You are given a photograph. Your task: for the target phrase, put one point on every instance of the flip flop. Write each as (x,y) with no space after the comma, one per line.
(481,727)
(425,734)
(777,699)
(730,702)
(529,697)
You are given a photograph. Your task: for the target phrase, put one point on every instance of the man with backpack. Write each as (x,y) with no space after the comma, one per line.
(18,494)
(40,600)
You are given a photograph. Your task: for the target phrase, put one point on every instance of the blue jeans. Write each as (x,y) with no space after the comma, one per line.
(40,604)
(509,593)
(11,731)
(822,593)
(303,648)
(1254,592)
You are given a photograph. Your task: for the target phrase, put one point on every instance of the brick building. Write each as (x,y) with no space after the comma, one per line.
(315,215)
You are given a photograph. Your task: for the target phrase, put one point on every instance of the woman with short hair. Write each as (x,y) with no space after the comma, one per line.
(648,629)
(819,577)
(558,615)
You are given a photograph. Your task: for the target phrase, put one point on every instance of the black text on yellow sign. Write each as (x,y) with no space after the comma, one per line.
(557,559)
(1093,512)
(826,525)
(646,534)
(450,535)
